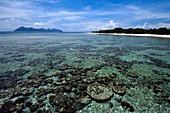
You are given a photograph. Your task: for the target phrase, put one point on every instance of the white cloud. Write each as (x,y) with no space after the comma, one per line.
(146,25)
(92,25)
(110,25)
(48,1)
(88,7)
(62,13)
(83,25)
(156,25)
(10,20)
(38,24)
(159,25)
(167,25)
(24,12)
(12,25)
(141,13)
(72,18)
(17,9)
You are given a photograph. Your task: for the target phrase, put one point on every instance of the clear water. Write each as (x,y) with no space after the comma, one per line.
(89,58)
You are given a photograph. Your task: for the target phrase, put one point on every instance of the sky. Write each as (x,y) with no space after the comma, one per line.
(84,15)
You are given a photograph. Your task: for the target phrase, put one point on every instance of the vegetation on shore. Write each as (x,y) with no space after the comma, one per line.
(161,31)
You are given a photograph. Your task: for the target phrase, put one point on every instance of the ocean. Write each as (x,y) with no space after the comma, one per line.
(83,73)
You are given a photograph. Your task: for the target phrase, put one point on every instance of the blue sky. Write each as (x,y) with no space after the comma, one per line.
(84,15)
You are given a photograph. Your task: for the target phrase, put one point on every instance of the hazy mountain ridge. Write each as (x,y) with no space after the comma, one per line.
(30,29)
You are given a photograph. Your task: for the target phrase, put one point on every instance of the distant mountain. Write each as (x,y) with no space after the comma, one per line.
(30,29)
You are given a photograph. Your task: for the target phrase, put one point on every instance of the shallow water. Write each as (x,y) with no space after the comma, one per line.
(65,72)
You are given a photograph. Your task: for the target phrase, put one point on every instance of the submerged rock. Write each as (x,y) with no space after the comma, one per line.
(15,73)
(28,104)
(85,100)
(65,67)
(9,79)
(62,103)
(40,92)
(37,76)
(26,91)
(20,72)
(119,90)
(33,107)
(10,107)
(132,75)
(7,107)
(7,83)
(99,92)
(43,111)
(125,104)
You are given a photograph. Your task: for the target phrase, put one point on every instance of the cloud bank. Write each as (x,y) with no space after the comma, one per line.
(82,17)
(38,24)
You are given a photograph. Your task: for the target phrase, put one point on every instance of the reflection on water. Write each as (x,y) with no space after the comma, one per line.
(78,72)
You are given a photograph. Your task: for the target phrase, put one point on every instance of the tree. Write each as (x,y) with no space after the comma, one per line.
(136,31)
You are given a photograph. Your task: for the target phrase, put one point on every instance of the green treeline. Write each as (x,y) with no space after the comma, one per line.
(162,31)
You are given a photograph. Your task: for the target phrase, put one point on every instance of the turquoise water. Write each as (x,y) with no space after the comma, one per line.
(83,73)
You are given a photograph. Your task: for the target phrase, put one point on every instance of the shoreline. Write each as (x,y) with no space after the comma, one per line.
(142,35)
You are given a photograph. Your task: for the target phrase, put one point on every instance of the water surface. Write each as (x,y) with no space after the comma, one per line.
(76,72)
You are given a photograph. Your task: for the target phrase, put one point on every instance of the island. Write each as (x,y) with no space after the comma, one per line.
(30,29)
(160,32)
